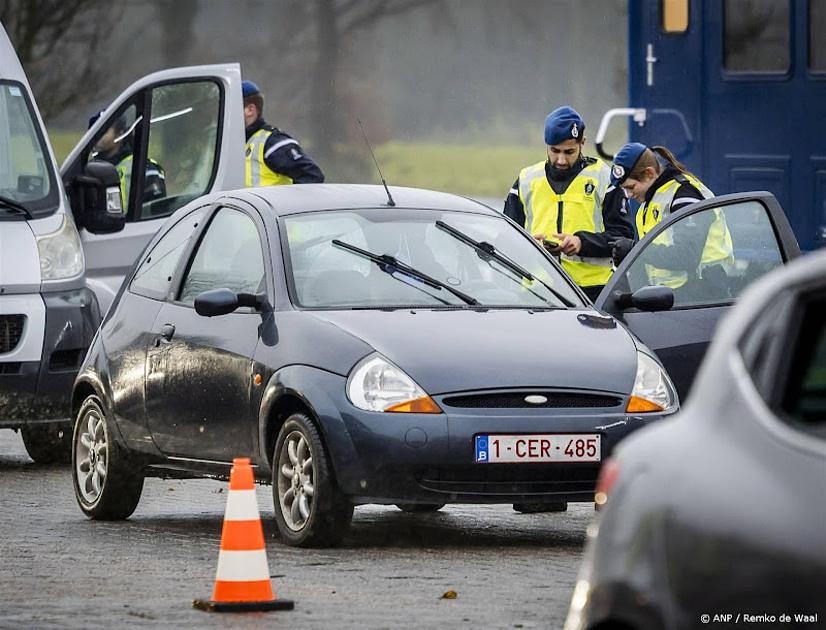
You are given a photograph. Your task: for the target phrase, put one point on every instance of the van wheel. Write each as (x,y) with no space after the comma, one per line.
(310,510)
(420,508)
(48,443)
(107,483)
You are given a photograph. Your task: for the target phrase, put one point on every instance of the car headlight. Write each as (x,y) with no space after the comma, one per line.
(653,390)
(375,384)
(61,254)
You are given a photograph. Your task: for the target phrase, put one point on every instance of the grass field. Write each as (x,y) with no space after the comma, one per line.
(472,169)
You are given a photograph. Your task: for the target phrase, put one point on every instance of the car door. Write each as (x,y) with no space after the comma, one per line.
(174,135)
(200,377)
(759,239)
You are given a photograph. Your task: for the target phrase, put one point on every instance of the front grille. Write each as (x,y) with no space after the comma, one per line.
(513,479)
(512,400)
(11,331)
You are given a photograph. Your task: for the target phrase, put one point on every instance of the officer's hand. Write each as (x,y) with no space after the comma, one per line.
(539,236)
(620,249)
(568,243)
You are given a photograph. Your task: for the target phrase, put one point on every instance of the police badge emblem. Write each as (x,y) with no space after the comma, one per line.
(589,188)
(574,131)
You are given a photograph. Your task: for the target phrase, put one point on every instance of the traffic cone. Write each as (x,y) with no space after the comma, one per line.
(242,582)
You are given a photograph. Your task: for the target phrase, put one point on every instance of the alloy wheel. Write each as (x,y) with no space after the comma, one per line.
(296,489)
(92,456)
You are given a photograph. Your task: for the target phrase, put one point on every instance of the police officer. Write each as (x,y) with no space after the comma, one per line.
(115,147)
(654,177)
(272,157)
(568,199)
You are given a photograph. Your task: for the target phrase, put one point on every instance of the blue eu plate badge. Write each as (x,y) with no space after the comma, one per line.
(481,448)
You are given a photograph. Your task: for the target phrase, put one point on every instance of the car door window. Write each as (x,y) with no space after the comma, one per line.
(804,398)
(183,146)
(153,277)
(116,144)
(709,257)
(229,256)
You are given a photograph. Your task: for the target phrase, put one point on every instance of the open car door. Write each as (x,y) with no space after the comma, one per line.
(173,135)
(701,258)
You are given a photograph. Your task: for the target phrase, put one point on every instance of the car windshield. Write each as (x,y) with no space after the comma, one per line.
(26,176)
(398,258)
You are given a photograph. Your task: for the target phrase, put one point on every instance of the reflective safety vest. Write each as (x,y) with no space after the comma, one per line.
(257,173)
(718,248)
(124,167)
(579,208)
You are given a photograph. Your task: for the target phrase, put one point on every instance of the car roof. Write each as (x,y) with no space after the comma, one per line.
(285,200)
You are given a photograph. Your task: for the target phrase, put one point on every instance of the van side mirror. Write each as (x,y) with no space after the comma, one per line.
(649,299)
(96,199)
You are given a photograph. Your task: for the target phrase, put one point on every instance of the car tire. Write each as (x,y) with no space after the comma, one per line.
(48,443)
(310,510)
(107,482)
(420,508)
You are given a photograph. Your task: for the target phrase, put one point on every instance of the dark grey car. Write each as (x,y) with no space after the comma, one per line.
(425,353)
(720,512)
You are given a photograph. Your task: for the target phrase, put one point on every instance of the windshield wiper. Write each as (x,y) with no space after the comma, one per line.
(389,264)
(487,251)
(10,204)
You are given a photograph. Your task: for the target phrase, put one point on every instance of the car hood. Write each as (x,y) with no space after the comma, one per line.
(457,350)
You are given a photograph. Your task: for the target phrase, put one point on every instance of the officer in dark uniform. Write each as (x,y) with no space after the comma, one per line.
(568,199)
(272,157)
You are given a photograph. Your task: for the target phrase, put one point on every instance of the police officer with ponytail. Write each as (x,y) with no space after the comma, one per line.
(654,177)
(568,200)
(272,157)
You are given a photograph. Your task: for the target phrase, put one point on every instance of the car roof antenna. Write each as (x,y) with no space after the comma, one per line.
(390,201)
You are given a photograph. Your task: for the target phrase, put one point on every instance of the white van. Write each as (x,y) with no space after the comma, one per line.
(67,239)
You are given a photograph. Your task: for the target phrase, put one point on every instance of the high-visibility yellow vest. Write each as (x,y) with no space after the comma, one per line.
(579,208)
(124,168)
(257,173)
(718,248)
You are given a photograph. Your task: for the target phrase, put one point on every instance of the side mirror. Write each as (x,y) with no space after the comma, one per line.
(96,199)
(650,299)
(223,301)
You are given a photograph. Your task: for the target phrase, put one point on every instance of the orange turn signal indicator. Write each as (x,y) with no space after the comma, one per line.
(425,404)
(641,405)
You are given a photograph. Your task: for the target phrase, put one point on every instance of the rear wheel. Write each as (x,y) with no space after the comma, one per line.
(310,510)
(420,508)
(48,443)
(107,483)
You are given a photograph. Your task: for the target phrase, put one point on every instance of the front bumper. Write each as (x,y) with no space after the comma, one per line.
(430,458)
(34,391)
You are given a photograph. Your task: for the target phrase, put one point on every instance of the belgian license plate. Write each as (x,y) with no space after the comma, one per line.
(554,447)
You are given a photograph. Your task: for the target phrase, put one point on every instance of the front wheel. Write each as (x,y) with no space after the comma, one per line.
(107,483)
(48,443)
(310,510)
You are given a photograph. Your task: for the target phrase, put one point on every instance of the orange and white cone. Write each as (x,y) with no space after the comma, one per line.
(242,582)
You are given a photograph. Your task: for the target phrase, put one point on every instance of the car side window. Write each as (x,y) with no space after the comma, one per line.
(153,277)
(709,257)
(183,146)
(116,145)
(803,402)
(229,256)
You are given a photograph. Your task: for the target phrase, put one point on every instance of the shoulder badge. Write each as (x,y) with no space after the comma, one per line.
(589,187)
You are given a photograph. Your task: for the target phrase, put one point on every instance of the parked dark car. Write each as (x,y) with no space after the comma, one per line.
(720,512)
(417,354)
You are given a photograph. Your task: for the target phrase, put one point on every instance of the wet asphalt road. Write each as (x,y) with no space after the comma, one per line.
(59,570)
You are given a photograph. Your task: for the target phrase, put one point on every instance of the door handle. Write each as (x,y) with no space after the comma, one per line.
(167,332)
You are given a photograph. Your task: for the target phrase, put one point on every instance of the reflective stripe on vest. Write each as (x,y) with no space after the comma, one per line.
(581,206)
(718,248)
(257,173)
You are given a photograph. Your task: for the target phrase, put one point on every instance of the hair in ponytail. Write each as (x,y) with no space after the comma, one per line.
(649,158)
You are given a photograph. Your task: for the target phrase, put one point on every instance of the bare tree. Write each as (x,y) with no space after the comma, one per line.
(58,43)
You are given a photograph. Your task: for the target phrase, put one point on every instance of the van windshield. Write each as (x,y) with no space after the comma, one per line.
(26,171)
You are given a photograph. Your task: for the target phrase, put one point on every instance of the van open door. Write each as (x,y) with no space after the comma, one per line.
(173,136)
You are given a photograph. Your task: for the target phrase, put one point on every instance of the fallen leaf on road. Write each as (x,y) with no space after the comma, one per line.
(449,595)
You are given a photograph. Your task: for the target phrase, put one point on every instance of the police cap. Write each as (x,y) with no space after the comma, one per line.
(625,160)
(562,124)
